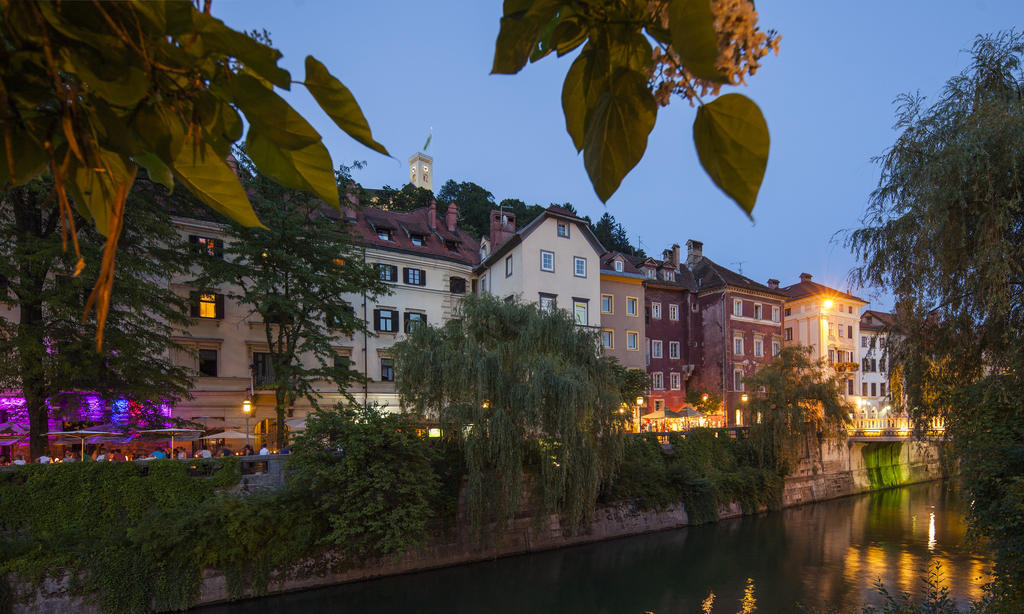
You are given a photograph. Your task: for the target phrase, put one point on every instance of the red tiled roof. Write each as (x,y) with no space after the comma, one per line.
(806,288)
(876,320)
(709,274)
(406,224)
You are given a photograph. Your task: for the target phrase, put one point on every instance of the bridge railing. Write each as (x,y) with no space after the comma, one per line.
(889,426)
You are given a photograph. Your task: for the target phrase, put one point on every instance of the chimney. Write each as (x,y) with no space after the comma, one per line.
(432,215)
(773,284)
(805,277)
(675,255)
(503,226)
(666,255)
(694,252)
(451,219)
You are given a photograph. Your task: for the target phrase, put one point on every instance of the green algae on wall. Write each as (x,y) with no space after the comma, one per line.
(882,463)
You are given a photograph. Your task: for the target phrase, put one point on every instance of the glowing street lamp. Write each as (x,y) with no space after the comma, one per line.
(827,304)
(247,409)
(744,397)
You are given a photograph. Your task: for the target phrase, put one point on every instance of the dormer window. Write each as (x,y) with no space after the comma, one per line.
(669,275)
(618,266)
(651,273)
(418,240)
(384,234)
(453,246)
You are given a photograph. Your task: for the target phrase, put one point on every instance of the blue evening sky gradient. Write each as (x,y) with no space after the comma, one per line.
(827,98)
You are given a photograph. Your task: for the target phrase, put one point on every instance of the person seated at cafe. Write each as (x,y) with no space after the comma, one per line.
(264,451)
(20,460)
(204,453)
(42,460)
(158,453)
(69,457)
(117,456)
(182,454)
(100,454)
(226,451)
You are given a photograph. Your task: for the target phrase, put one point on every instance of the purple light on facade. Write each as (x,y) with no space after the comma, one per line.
(119,411)
(92,408)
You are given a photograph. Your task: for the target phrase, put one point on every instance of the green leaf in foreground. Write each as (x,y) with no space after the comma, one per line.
(209,177)
(732,142)
(340,105)
(309,168)
(617,130)
(694,37)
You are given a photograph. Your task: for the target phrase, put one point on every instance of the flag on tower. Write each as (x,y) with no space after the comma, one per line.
(427,144)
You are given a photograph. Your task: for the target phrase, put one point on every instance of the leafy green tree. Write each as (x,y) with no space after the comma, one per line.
(409,198)
(524,213)
(637,55)
(612,235)
(94,90)
(48,350)
(475,205)
(704,401)
(295,274)
(802,398)
(369,476)
(943,233)
(521,390)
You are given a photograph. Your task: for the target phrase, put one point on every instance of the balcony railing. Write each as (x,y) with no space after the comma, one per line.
(893,426)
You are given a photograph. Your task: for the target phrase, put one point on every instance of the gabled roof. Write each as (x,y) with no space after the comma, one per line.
(683,277)
(403,225)
(872,320)
(628,268)
(806,288)
(709,274)
(553,211)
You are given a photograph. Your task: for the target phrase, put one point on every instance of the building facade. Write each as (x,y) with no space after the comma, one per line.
(874,381)
(740,330)
(828,321)
(554,262)
(623,335)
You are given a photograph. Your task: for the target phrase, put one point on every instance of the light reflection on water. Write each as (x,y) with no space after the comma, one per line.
(825,554)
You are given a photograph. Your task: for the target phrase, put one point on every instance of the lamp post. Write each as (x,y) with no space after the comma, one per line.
(639,404)
(247,409)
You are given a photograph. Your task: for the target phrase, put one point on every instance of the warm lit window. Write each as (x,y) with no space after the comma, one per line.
(607,304)
(207,305)
(673,350)
(831,329)
(547,261)
(608,339)
(656,311)
(631,306)
(656,348)
(579,266)
(207,246)
(579,311)
(673,312)
(632,341)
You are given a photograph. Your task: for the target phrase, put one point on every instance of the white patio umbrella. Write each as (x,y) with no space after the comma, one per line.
(226,435)
(81,434)
(172,432)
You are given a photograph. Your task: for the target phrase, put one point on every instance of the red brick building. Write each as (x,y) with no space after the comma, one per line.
(740,324)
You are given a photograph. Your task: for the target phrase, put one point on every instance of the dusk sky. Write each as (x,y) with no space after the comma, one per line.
(828,99)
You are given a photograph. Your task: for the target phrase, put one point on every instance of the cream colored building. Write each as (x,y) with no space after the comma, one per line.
(828,321)
(554,261)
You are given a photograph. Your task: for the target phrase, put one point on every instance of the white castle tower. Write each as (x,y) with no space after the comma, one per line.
(421,171)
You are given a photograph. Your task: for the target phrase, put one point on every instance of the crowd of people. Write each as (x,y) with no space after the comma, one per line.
(102,454)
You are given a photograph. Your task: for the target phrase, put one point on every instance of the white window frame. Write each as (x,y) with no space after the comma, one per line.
(775,314)
(673,312)
(758,311)
(737,379)
(758,346)
(508,266)
(618,266)
(656,348)
(673,350)
(656,311)
(673,381)
(737,345)
(776,348)
(577,261)
(737,307)
(551,255)
(657,380)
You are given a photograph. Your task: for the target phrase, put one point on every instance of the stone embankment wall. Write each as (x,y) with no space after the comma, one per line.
(826,473)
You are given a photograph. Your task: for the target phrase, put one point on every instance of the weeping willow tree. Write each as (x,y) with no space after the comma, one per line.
(944,233)
(801,398)
(524,392)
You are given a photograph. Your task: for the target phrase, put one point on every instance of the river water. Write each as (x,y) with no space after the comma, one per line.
(821,555)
